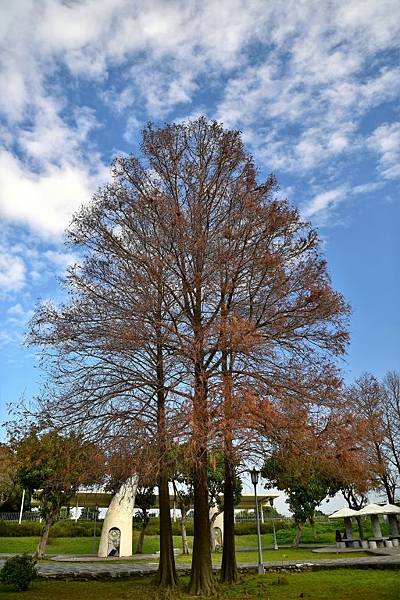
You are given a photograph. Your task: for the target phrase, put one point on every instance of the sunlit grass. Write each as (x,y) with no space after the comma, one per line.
(342,584)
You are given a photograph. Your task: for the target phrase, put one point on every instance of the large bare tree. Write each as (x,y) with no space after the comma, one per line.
(367,398)
(198,290)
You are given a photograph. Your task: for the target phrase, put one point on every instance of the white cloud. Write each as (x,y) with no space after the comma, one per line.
(297,78)
(12,272)
(61,260)
(17,316)
(6,338)
(16,310)
(385,141)
(323,202)
(43,201)
(322,206)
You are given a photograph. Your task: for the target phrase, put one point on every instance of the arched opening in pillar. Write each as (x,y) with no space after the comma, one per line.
(216,539)
(114,541)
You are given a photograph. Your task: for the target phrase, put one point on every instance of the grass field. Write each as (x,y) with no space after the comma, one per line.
(343,584)
(276,555)
(86,546)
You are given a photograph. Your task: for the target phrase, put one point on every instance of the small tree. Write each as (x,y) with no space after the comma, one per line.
(367,398)
(305,481)
(8,482)
(55,466)
(184,499)
(89,513)
(144,500)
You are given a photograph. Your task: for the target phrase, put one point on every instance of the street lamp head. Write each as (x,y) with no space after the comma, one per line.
(254,476)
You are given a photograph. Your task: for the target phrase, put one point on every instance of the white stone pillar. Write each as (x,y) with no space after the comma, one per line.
(216,527)
(393,524)
(117,526)
(348,527)
(376,527)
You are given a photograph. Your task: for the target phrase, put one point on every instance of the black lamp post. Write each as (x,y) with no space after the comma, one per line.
(271,503)
(254,480)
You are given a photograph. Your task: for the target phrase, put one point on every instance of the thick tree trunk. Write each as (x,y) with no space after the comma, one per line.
(299,531)
(185,546)
(44,536)
(201,579)
(166,575)
(228,566)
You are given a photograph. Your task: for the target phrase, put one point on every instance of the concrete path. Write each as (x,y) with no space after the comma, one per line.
(97,569)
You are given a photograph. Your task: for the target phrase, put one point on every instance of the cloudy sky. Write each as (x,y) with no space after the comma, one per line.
(313,85)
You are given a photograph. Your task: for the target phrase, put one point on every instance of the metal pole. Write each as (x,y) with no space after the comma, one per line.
(94,530)
(22,507)
(273,527)
(261,570)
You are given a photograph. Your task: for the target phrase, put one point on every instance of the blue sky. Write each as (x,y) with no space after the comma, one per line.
(313,85)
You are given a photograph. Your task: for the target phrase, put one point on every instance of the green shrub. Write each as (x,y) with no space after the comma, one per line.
(26,529)
(153,528)
(19,571)
(75,529)
(59,529)
(250,527)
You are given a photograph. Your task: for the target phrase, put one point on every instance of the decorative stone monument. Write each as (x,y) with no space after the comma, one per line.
(116,534)
(217,529)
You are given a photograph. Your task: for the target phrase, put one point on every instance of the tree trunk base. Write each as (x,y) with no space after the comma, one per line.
(166,575)
(228,566)
(297,538)
(201,577)
(201,583)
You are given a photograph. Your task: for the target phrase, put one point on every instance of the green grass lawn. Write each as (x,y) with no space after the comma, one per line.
(72,545)
(85,546)
(343,584)
(75,545)
(276,555)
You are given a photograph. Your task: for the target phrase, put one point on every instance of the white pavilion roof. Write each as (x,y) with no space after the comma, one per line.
(343,512)
(373,509)
(391,509)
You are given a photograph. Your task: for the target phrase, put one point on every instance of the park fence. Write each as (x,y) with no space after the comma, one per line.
(14,516)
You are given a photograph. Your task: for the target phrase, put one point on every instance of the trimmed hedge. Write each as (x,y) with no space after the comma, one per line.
(250,527)
(59,529)
(153,528)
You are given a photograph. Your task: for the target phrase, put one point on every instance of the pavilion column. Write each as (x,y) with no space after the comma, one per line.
(348,528)
(393,524)
(376,527)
